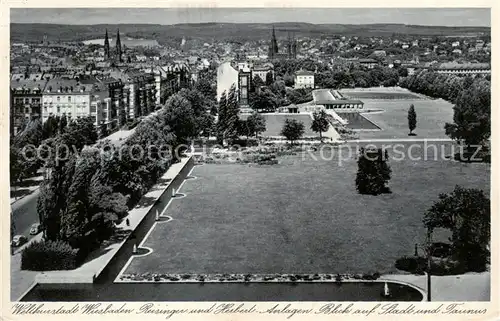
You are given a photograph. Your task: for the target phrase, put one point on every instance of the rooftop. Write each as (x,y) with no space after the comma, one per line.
(304,73)
(367,60)
(464,66)
(20,82)
(338,102)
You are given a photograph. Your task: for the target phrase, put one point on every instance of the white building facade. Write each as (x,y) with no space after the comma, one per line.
(304,79)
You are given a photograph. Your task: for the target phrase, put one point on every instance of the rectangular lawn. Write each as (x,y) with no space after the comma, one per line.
(378,95)
(301,216)
(393,120)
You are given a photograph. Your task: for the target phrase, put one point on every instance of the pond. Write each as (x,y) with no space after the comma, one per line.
(357,121)
(154,292)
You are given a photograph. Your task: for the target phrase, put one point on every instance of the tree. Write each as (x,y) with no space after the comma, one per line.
(180,117)
(293,130)
(412,119)
(103,130)
(31,135)
(257,123)
(264,100)
(466,213)
(289,80)
(257,82)
(232,115)
(269,78)
(53,197)
(222,116)
(472,115)
(320,123)
(373,172)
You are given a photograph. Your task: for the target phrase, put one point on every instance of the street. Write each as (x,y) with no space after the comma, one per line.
(25,214)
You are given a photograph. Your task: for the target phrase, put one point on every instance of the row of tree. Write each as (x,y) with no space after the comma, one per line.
(229,125)
(471,96)
(33,134)
(93,186)
(339,77)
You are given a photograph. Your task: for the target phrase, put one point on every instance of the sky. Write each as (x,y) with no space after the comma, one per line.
(414,16)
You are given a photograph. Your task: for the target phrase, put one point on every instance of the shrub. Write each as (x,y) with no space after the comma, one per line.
(447,267)
(245,142)
(440,249)
(49,255)
(411,264)
(133,123)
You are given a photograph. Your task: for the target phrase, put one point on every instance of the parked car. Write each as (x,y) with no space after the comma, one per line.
(18,240)
(35,229)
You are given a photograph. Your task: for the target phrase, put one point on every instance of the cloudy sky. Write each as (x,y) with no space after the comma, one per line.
(418,16)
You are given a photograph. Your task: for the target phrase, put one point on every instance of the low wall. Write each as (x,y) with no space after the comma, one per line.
(123,254)
(109,262)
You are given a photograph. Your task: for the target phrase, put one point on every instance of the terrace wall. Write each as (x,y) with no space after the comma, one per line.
(113,267)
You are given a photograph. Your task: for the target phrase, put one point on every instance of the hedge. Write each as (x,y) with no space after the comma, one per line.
(48,256)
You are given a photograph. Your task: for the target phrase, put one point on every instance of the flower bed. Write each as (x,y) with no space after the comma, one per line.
(245,278)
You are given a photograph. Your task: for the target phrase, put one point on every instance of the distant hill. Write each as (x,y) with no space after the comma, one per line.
(34,32)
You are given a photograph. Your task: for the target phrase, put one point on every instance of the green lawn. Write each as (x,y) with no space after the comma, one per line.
(378,95)
(274,123)
(431,118)
(302,216)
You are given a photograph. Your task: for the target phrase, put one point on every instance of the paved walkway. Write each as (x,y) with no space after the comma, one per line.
(27,190)
(21,280)
(465,287)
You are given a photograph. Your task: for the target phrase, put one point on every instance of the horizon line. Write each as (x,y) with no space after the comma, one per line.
(256,23)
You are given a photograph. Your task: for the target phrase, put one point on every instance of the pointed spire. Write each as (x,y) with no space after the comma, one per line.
(118,46)
(273,47)
(106,45)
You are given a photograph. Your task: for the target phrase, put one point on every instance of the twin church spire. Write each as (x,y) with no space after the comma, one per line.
(291,46)
(118,51)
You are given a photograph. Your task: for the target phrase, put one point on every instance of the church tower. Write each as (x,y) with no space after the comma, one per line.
(289,46)
(294,47)
(118,47)
(273,47)
(106,45)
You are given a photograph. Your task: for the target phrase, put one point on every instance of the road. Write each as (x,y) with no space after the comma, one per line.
(25,214)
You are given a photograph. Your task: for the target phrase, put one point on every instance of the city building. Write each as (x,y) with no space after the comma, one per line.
(140,87)
(304,79)
(262,71)
(25,98)
(75,99)
(227,76)
(464,69)
(368,63)
(333,100)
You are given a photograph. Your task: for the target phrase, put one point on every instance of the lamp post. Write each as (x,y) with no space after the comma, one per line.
(428,250)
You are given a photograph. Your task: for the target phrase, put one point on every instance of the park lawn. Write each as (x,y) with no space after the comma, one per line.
(301,216)
(379,95)
(275,122)
(431,118)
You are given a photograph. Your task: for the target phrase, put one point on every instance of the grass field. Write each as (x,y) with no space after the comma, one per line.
(378,95)
(274,123)
(431,118)
(302,216)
